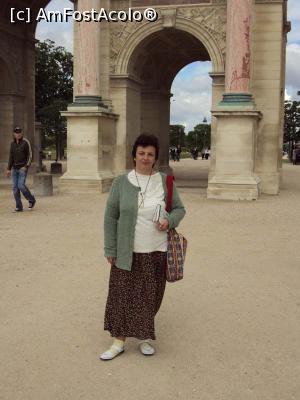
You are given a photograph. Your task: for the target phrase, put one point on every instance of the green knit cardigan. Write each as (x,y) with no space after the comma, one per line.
(121,215)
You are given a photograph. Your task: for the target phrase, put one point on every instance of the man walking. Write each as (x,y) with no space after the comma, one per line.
(20,157)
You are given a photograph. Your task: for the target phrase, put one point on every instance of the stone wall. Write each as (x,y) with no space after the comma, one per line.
(268,87)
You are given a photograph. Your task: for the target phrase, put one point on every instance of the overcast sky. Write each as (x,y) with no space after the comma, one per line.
(191,89)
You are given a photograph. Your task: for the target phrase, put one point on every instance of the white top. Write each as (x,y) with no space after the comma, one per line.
(147,237)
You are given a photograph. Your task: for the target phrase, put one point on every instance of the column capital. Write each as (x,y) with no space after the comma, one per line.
(88,100)
(237,99)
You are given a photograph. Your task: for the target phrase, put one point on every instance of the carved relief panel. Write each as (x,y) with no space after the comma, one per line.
(209,14)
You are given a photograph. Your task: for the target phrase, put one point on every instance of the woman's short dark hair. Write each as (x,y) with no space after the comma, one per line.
(144,140)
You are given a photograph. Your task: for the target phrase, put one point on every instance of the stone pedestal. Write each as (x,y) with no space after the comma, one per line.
(234,177)
(42,184)
(91,147)
(236,116)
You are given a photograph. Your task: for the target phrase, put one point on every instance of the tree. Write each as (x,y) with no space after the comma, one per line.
(200,137)
(54,90)
(291,133)
(189,140)
(177,135)
(54,126)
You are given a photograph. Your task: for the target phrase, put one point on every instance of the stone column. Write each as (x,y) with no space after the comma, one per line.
(91,136)
(218,88)
(104,56)
(236,117)
(86,56)
(238,47)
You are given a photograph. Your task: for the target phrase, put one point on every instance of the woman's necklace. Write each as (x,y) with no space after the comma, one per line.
(143,195)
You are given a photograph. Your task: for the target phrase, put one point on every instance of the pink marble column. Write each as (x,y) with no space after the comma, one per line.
(86,54)
(238,46)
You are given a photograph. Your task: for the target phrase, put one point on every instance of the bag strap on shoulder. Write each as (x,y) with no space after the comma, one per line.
(170,179)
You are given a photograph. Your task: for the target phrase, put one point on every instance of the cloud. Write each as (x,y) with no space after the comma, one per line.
(60,32)
(294,17)
(191,100)
(292,69)
(293,10)
(60,36)
(287,96)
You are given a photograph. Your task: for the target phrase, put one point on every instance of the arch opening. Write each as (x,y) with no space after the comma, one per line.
(154,63)
(190,124)
(159,57)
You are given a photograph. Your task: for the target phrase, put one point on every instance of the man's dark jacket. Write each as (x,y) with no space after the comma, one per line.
(20,154)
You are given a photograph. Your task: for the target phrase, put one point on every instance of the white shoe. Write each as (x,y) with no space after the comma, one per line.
(146,348)
(112,352)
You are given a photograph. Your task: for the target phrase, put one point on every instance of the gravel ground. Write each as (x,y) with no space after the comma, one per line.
(229,331)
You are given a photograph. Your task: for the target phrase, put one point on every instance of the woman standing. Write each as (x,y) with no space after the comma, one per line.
(135,244)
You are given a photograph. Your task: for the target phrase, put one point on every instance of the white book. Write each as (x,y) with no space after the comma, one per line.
(157,212)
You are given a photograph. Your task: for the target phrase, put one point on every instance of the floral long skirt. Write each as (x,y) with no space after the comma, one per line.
(135,296)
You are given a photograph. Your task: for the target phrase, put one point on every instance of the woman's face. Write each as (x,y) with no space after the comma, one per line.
(145,158)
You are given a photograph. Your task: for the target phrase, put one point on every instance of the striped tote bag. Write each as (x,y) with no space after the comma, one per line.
(177,244)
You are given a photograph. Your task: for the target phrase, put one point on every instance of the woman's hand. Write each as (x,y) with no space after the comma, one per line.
(111,260)
(163,225)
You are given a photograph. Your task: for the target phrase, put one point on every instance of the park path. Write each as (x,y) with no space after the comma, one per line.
(229,331)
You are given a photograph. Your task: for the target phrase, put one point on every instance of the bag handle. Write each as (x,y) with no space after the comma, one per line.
(170,179)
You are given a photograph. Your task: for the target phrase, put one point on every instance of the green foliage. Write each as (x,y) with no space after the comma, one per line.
(54,89)
(177,135)
(291,121)
(291,134)
(54,71)
(54,126)
(200,137)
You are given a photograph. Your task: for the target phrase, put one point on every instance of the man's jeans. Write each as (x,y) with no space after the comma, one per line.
(18,179)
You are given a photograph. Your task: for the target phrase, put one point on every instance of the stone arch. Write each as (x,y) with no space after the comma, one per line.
(182,24)
(149,100)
